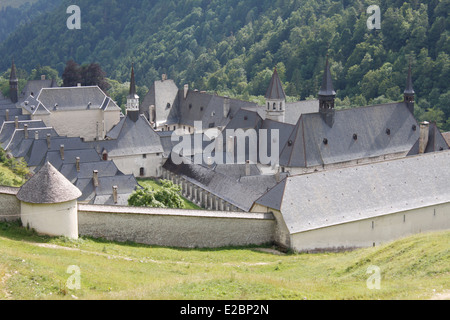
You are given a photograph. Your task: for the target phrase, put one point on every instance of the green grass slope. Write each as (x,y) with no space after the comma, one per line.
(35,267)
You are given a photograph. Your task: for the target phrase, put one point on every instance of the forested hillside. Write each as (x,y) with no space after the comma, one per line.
(232,46)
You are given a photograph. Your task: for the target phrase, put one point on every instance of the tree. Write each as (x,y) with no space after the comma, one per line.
(71,75)
(87,75)
(166,197)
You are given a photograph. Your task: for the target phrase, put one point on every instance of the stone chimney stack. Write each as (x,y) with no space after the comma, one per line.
(43,77)
(16,122)
(95,178)
(226,107)
(48,140)
(115,195)
(277,174)
(423,139)
(186,90)
(164,77)
(61,151)
(25,130)
(77,164)
(7,115)
(247,168)
(36,135)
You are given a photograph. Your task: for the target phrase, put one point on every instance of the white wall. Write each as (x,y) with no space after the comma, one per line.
(131,164)
(385,229)
(54,220)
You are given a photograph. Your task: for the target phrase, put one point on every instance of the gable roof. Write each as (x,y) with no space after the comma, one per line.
(327,198)
(48,186)
(357,133)
(75,98)
(133,135)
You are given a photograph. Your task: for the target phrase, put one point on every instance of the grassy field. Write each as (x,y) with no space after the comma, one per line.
(35,267)
(156,186)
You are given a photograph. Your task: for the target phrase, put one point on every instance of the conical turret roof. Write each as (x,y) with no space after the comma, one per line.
(48,186)
(275,90)
(327,83)
(13,75)
(409,84)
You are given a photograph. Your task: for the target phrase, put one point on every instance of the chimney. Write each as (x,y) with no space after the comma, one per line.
(78,84)
(43,77)
(423,139)
(95,178)
(247,168)
(25,130)
(115,196)
(186,89)
(7,115)
(77,164)
(61,151)
(277,174)
(226,107)
(164,77)
(36,135)
(48,140)
(16,122)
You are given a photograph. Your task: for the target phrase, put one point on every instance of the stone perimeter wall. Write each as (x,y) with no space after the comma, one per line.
(176,228)
(9,204)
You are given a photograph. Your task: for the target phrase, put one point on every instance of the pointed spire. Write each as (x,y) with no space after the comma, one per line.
(13,76)
(327,83)
(132,81)
(275,90)
(409,84)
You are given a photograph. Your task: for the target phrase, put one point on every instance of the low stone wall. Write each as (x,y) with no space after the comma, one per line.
(175,228)
(9,204)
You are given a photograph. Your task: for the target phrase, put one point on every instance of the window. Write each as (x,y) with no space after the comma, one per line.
(141,172)
(274,106)
(144,156)
(105,156)
(168,106)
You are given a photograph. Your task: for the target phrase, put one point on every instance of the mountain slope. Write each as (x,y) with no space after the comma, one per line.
(232,46)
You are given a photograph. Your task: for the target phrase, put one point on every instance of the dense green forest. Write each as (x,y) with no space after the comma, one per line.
(232,46)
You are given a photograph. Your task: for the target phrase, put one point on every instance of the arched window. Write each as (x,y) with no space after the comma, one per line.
(274,106)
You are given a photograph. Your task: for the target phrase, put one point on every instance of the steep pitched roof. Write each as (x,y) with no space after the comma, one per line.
(13,74)
(356,134)
(327,88)
(48,186)
(409,83)
(275,90)
(133,135)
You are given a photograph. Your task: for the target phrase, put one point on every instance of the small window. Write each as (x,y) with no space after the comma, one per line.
(388,132)
(355,137)
(105,156)
(168,106)
(144,156)
(274,106)
(141,172)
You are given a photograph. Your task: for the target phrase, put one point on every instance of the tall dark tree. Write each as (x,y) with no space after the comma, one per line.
(71,75)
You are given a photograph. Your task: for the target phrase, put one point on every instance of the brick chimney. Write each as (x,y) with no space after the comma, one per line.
(423,139)
(115,194)
(95,178)
(61,151)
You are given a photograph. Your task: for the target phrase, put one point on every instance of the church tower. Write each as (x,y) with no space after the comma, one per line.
(275,99)
(409,91)
(13,84)
(132,98)
(327,96)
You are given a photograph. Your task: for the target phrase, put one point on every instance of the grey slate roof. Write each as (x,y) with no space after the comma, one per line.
(327,198)
(48,186)
(327,88)
(75,98)
(369,125)
(130,137)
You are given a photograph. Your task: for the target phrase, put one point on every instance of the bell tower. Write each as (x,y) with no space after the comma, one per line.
(132,98)
(408,95)
(13,84)
(275,99)
(327,96)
